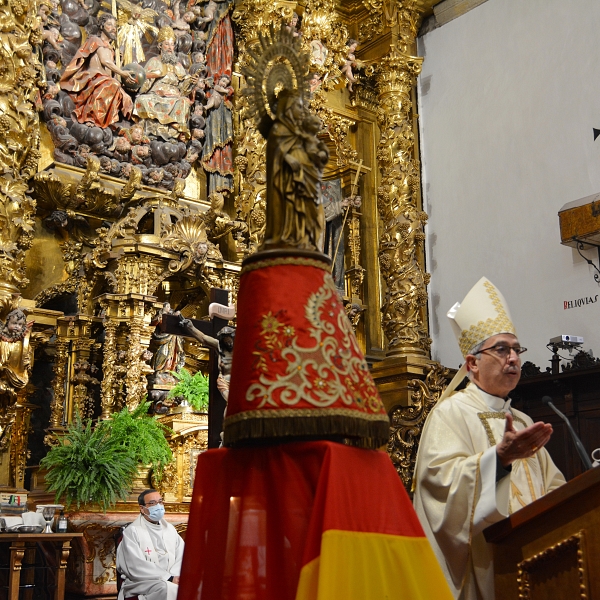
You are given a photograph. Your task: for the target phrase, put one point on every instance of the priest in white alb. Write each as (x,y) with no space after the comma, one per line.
(149,556)
(479,459)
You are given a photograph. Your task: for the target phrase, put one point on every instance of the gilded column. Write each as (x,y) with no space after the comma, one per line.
(59,385)
(135,379)
(401,243)
(127,337)
(19,438)
(21,74)
(108,369)
(408,381)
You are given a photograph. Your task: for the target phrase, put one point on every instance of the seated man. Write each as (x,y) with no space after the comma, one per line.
(479,459)
(149,556)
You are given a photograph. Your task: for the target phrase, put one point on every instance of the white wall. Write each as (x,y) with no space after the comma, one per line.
(509,95)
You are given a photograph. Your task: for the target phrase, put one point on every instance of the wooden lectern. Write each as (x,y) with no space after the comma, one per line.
(550,550)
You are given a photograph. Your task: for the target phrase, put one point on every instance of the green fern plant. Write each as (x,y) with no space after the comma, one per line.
(89,465)
(142,435)
(98,464)
(194,388)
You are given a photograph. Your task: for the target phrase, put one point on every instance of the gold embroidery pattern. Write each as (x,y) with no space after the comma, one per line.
(486,329)
(528,475)
(477,478)
(517,495)
(301,412)
(484,416)
(325,369)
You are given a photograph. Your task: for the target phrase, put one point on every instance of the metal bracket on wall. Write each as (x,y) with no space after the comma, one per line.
(581,246)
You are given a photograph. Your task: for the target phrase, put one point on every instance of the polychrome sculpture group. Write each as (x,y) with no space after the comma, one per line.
(164,112)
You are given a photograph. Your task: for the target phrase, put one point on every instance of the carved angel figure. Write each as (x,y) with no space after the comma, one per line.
(15,353)
(350,62)
(133,23)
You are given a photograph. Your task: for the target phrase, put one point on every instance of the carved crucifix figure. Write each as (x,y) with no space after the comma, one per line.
(208,333)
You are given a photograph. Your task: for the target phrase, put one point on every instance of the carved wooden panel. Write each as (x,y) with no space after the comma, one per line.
(559,571)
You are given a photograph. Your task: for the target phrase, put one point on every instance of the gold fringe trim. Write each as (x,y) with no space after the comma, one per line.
(292,260)
(356,429)
(304,412)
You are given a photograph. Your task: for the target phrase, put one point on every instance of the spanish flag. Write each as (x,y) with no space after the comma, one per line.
(305,521)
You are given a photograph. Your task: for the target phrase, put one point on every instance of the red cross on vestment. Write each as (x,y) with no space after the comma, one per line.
(148,551)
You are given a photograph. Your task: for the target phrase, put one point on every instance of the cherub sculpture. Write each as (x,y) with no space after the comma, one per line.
(350,63)
(220,227)
(294,25)
(182,22)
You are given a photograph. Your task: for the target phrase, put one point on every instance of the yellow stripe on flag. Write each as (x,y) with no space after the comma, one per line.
(372,566)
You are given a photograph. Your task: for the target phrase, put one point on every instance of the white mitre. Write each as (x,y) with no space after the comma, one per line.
(482,314)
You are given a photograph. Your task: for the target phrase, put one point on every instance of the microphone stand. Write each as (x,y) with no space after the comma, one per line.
(585,459)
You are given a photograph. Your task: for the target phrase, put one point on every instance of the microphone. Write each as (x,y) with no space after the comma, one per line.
(585,459)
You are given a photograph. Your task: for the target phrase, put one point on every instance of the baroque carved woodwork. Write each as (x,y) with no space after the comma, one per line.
(401,242)
(104,224)
(407,421)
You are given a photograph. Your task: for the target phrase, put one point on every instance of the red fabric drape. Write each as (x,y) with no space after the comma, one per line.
(258,514)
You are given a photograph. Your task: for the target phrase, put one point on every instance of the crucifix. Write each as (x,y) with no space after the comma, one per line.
(216,403)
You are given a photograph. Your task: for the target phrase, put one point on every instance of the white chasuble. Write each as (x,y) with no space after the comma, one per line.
(456,492)
(147,557)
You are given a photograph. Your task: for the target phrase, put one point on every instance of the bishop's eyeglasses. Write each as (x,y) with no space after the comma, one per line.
(503,350)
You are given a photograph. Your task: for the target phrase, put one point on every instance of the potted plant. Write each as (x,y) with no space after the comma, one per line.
(89,465)
(193,389)
(98,464)
(143,436)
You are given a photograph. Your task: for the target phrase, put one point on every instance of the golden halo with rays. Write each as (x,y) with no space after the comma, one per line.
(277,64)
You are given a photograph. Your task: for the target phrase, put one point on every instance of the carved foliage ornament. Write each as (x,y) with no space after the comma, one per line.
(407,421)
(337,127)
(251,18)
(20,78)
(88,195)
(16,230)
(404,16)
(188,237)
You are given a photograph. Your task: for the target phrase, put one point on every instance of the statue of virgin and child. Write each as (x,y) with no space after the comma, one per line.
(295,162)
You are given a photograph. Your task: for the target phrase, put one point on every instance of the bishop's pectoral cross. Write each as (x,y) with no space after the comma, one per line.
(216,402)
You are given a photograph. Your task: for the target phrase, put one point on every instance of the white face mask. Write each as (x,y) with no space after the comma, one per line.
(156,513)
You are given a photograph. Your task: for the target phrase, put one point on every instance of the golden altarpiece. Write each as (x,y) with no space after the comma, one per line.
(126,192)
